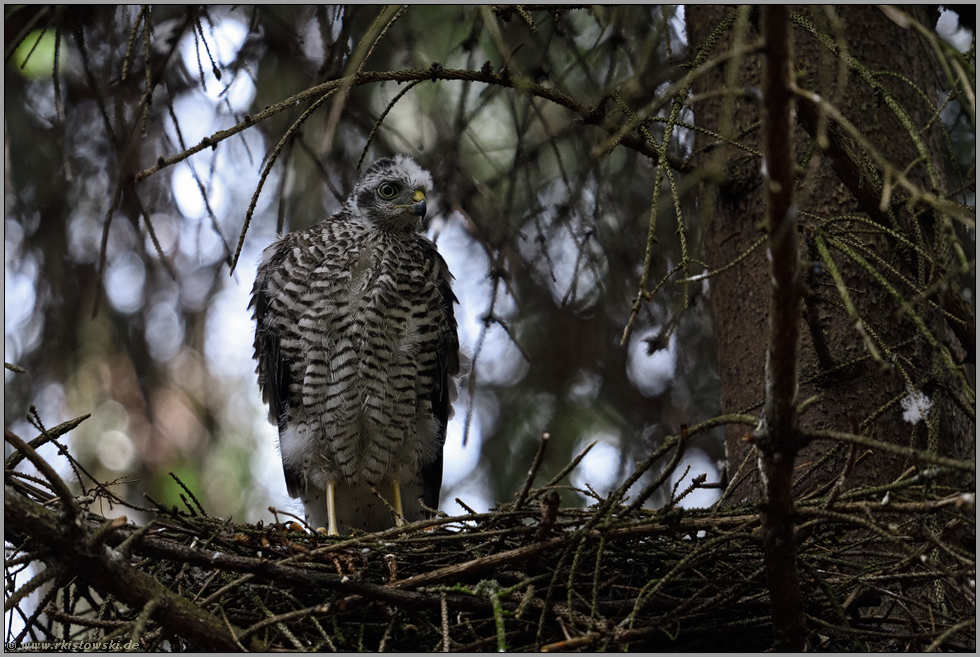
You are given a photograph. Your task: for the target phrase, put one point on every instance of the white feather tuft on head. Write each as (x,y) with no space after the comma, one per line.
(399,167)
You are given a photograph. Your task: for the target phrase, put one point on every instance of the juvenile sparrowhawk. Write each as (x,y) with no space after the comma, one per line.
(357,354)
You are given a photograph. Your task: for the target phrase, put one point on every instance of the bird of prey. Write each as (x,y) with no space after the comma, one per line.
(357,352)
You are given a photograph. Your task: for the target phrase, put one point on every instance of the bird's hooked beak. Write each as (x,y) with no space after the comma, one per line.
(418,206)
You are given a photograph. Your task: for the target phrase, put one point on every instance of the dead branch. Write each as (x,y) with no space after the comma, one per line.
(103,567)
(777,439)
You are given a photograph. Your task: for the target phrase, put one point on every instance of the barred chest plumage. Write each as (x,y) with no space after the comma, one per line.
(367,310)
(357,354)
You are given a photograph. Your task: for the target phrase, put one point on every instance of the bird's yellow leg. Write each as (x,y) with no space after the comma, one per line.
(397,499)
(331,510)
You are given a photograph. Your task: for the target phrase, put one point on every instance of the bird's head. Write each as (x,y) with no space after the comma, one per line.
(391,194)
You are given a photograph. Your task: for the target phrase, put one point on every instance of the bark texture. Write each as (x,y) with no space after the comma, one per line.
(859,392)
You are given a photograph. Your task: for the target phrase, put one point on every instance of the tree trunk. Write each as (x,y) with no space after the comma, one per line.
(863,365)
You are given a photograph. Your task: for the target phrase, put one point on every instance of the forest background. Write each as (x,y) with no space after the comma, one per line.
(601,197)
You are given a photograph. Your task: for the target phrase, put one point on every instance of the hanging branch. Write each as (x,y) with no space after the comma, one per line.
(587,114)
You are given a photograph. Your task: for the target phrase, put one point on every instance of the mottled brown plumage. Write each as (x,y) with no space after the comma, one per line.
(357,353)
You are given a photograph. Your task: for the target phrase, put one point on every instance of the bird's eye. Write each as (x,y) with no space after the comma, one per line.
(387,190)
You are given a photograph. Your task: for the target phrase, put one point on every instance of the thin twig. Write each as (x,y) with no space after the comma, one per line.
(532,473)
(68,503)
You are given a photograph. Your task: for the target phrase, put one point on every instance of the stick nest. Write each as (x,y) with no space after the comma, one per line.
(881,568)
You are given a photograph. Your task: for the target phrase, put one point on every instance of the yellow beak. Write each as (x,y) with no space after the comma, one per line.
(418,209)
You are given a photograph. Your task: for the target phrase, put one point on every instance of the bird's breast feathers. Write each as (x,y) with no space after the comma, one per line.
(357,349)
(362,328)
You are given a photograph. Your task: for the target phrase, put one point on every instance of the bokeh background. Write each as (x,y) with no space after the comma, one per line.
(118,299)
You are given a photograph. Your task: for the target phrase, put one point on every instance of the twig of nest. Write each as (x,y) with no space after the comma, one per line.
(529,575)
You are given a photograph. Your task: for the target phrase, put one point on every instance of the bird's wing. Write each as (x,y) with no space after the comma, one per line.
(444,385)
(273,367)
